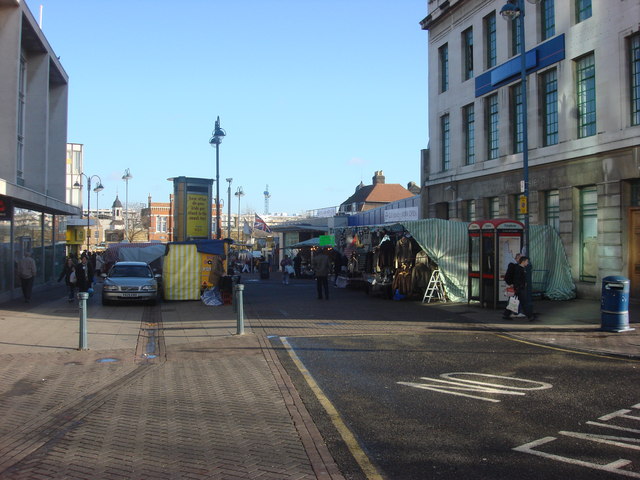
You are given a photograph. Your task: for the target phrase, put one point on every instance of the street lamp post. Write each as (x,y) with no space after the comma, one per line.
(126,177)
(229,208)
(216,139)
(515,10)
(79,185)
(98,189)
(239,193)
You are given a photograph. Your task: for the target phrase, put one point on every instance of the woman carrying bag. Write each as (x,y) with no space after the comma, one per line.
(69,275)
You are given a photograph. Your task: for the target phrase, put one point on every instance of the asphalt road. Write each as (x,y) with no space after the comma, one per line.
(471,404)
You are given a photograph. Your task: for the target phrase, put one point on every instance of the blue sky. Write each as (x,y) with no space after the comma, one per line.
(315,95)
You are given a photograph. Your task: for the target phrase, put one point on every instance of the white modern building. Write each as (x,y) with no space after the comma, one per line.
(33,136)
(583,94)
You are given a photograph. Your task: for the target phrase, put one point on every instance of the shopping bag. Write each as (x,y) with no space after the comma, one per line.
(72,277)
(289,269)
(509,291)
(514,304)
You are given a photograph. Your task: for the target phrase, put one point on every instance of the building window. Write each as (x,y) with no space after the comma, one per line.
(516,46)
(552,208)
(494,207)
(468,118)
(22,92)
(583,10)
(518,215)
(161,224)
(588,234)
(470,210)
(444,136)
(491,125)
(490,40)
(550,107)
(443,52)
(586,91)
(517,118)
(467,53)
(634,44)
(547,19)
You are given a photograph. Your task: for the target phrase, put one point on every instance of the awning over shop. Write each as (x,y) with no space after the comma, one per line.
(312,242)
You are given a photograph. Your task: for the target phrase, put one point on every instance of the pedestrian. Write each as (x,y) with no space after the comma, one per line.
(320,264)
(69,280)
(508,279)
(287,269)
(297,264)
(520,286)
(99,264)
(27,273)
(84,274)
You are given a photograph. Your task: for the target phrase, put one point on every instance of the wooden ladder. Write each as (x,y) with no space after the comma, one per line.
(435,288)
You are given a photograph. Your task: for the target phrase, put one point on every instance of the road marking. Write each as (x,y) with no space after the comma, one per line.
(567,350)
(613,467)
(370,471)
(455,386)
(621,442)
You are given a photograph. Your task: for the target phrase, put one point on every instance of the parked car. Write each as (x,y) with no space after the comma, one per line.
(130,281)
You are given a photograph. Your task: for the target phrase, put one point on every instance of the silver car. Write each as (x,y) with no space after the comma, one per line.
(130,281)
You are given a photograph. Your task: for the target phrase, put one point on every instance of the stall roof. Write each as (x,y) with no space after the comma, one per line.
(312,242)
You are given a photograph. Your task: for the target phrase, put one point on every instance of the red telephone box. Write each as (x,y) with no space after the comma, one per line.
(493,244)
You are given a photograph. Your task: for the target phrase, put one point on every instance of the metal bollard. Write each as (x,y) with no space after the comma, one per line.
(82,296)
(240,308)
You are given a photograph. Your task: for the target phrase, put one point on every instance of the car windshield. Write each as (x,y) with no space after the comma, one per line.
(140,271)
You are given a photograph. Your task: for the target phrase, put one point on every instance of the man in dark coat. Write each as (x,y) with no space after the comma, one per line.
(84,274)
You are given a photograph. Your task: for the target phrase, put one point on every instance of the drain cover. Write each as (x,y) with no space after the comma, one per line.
(107,360)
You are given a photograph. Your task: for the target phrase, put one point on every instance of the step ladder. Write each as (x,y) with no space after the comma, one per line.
(435,288)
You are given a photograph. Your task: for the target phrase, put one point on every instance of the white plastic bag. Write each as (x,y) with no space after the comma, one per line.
(514,304)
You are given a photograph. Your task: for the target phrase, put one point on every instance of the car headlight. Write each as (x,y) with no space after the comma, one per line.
(110,288)
(148,288)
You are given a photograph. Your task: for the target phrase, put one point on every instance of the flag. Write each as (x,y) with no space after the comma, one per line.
(246,229)
(260,224)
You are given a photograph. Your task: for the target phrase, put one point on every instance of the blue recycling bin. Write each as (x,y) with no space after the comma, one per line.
(614,304)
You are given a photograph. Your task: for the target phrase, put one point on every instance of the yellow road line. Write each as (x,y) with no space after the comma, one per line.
(370,471)
(566,350)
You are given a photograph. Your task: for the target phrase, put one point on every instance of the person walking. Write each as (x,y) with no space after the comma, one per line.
(287,268)
(320,264)
(84,274)
(27,273)
(69,280)
(508,279)
(520,286)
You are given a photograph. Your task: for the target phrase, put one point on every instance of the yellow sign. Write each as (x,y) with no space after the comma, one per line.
(522,204)
(197,215)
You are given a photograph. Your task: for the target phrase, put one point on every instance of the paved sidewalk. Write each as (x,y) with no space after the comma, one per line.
(171,392)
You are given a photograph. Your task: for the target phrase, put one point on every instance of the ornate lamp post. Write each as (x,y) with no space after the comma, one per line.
(126,177)
(514,10)
(229,208)
(79,185)
(216,140)
(239,193)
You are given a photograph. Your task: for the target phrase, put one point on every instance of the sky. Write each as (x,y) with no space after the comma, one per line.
(314,95)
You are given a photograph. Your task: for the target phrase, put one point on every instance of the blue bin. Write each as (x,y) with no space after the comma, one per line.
(614,305)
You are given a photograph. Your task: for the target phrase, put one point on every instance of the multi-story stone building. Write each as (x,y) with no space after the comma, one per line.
(583,115)
(33,136)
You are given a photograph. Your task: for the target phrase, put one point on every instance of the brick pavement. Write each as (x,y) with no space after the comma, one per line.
(170,392)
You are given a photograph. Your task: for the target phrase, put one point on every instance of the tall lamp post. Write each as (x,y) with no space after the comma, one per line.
(239,193)
(514,10)
(126,177)
(98,189)
(79,185)
(229,207)
(216,140)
